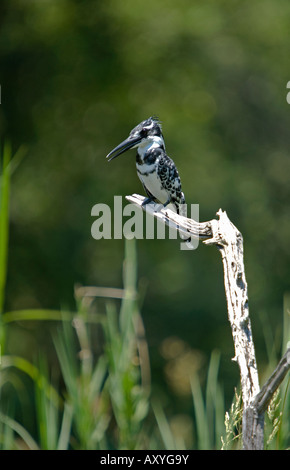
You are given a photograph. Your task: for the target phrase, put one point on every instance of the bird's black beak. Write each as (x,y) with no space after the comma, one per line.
(123,146)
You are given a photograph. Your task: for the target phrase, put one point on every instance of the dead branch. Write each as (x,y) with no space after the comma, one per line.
(264,397)
(229,241)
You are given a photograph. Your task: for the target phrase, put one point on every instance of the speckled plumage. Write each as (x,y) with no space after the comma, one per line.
(160,178)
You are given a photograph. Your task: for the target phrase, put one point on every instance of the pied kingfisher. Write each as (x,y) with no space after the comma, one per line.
(157,171)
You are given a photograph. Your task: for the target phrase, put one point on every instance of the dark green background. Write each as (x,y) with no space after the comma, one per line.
(76,76)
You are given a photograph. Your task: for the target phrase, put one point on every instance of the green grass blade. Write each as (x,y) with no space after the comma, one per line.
(37,315)
(128,305)
(164,427)
(67,356)
(33,372)
(200,415)
(65,431)
(211,393)
(6,437)
(20,430)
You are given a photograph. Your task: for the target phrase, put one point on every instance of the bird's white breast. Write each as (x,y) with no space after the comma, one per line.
(147,172)
(152,182)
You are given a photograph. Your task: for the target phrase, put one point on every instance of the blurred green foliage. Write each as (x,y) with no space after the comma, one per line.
(76,76)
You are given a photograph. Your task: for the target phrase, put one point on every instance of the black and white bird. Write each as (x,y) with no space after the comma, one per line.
(157,171)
